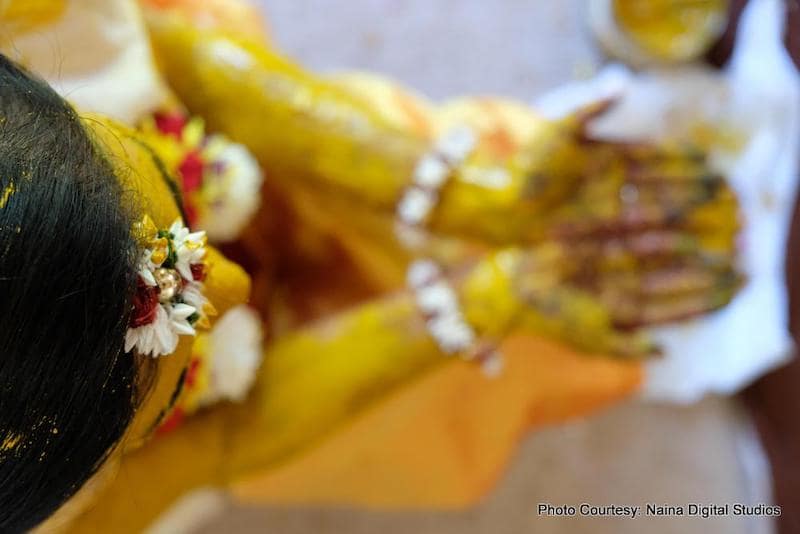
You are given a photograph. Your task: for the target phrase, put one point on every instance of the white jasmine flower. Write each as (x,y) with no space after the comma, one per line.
(146,268)
(153,339)
(231,183)
(192,295)
(235,350)
(175,306)
(179,318)
(189,248)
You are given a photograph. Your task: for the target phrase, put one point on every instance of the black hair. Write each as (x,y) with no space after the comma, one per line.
(68,391)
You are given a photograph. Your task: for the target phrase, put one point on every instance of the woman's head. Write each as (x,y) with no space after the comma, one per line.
(68,392)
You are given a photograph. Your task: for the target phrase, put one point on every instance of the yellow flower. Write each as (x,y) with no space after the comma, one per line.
(160,248)
(145,230)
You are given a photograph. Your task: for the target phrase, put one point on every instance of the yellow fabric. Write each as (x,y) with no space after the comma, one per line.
(669,30)
(237,15)
(444,440)
(23,15)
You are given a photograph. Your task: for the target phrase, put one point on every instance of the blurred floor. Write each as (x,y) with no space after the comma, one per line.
(513,48)
(632,454)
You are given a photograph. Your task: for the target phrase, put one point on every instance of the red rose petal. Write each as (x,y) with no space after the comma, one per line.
(191,171)
(171,123)
(145,301)
(198,271)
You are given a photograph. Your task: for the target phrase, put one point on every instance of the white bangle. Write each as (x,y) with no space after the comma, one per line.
(438,302)
(430,174)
